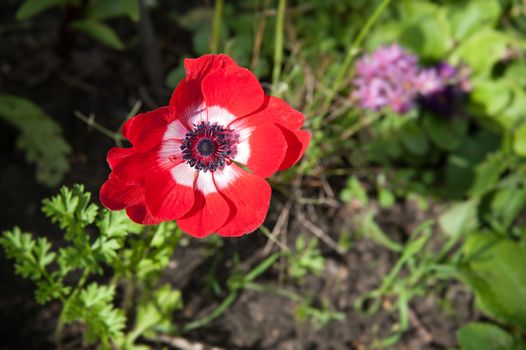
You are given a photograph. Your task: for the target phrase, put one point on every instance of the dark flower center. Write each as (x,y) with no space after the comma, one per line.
(205,147)
(208,147)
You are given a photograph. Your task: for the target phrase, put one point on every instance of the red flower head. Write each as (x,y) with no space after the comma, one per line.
(183,163)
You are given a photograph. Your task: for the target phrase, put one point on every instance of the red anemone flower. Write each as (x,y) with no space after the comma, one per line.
(203,159)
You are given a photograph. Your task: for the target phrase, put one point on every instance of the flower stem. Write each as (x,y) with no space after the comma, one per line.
(105,131)
(278,45)
(344,67)
(61,322)
(216,25)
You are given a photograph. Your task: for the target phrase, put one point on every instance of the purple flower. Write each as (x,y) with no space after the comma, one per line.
(392,77)
(443,88)
(429,81)
(387,77)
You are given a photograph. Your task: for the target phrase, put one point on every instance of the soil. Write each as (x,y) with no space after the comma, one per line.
(94,79)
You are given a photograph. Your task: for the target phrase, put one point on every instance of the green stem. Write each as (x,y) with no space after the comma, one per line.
(351,52)
(218,311)
(278,45)
(60,323)
(277,291)
(105,131)
(216,25)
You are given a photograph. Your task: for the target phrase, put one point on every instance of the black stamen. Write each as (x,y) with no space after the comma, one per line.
(206,146)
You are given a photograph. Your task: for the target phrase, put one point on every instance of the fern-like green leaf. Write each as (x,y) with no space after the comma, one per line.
(94,307)
(116,224)
(71,209)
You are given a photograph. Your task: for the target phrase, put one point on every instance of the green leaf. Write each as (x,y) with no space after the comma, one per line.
(165,233)
(100,32)
(105,249)
(482,50)
(157,311)
(514,112)
(116,224)
(195,19)
(515,71)
(47,291)
(31,8)
(354,191)
(94,307)
(410,9)
(492,98)
(20,247)
(99,10)
(71,209)
(386,198)
(95,294)
(40,137)
(519,141)
(469,17)
(445,133)
(507,204)
(495,270)
(72,258)
(414,137)
(459,219)
(462,166)
(427,35)
(486,336)
(42,254)
(370,229)
(416,245)
(305,259)
(488,173)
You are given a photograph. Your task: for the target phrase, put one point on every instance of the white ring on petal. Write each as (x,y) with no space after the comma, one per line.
(183,174)
(169,154)
(205,183)
(219,115)
(242,152)
(226,176)
(195,114)
(175,130)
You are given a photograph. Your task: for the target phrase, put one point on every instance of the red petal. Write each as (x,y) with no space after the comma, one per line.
(263,150)
(210,210)
(236,90)
(198,68)
(297,143)
(250,194)
(140,215)
(136,167)
(277,111)
(187,99)
(116,155)
(170,194)
(147,129)
(117,195)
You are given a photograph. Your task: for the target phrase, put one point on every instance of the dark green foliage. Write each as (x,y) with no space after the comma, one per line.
(40,138)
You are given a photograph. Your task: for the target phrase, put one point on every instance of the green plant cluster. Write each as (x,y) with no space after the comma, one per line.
(97,242)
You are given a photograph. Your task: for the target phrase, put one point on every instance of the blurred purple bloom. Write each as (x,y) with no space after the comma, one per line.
(447,96)
(386,78)
(392,77)
(429,81)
